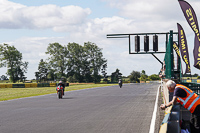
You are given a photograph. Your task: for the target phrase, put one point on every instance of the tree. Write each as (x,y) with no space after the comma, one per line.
(51,74)
(95,58)
(43,70)
(58,58)
(3,77)
(134,76)
(77,64)
(143,76)
(154,77)
(143,72)
(12,59)
(21,70)
(81,63)
(37,75)
(103,71)
(115,76)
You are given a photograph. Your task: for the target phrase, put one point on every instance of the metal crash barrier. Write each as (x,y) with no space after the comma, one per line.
(172,120)
(176,114)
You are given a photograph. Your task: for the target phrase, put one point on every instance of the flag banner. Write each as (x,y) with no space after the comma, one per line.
(176,48)
(183,47)
(192,21)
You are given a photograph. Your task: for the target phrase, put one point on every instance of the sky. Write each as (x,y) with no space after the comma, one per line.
(31,25)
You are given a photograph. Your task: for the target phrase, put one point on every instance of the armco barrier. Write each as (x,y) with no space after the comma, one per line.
(18,85)
(171,121)
(33,85)
(43,85)
(2,86)
(163,127)
(66,84)
(28,85)
(173,125)
(52,84)
(168,124)
(6,86)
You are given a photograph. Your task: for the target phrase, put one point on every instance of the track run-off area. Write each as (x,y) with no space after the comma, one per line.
(97,110)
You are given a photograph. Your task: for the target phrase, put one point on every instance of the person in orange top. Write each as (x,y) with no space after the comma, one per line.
(187,98)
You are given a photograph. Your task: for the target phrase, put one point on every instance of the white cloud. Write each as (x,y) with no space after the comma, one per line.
(152,13)
(13,15)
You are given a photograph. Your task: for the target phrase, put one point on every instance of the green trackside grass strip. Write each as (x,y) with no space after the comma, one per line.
(15,93)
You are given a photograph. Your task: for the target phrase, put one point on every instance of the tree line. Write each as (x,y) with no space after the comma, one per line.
(71,62)
(74,63)
(135,76)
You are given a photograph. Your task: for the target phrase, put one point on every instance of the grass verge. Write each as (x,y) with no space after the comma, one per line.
(15,93)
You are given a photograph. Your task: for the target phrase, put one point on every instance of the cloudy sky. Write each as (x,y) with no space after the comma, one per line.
(30,25)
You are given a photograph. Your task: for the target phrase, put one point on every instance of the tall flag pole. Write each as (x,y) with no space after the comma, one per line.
(183,47)
(192,21)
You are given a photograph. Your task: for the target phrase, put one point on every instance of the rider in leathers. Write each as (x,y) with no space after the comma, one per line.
(63,85)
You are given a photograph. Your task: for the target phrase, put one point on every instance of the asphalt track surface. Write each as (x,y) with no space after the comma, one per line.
(98,110)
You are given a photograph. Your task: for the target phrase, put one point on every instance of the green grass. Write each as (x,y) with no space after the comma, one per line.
(15,93)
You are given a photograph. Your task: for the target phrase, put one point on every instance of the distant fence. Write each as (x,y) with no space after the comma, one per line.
(29,85)
(193,86)
(190,80)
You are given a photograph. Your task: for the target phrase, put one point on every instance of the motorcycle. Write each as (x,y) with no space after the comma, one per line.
(120,85)
(59,91)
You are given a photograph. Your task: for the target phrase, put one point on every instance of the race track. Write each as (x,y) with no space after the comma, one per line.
(99,110)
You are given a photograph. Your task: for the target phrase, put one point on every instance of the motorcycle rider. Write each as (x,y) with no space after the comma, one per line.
(120,83)
(63,85)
